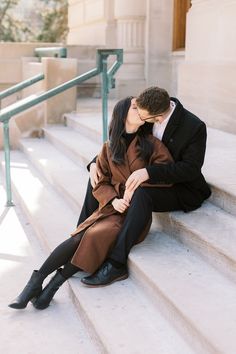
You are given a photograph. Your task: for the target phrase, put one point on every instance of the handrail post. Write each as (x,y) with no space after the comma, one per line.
(9,202)
(105,90)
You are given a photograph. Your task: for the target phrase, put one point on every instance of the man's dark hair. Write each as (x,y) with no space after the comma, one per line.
(154,99)
(117,130)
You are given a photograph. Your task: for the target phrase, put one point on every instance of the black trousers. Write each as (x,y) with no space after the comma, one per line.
(144,202)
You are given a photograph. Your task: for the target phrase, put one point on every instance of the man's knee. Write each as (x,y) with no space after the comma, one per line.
(141,196)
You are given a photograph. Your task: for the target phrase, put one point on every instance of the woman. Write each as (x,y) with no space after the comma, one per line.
(129,148)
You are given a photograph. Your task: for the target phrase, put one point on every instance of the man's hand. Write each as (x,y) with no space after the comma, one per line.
(120,205)
(136,178)
(94,173)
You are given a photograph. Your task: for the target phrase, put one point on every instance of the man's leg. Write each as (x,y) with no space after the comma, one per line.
(89,206)
(144,201)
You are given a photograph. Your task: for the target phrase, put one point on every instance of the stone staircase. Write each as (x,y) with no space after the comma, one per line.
(180,297)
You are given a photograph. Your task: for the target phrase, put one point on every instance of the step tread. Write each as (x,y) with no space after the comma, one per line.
(213,225)
(20,253)
(220,161)
(74,140)
(216,229)
(70,178)
(201,294)
(137,326)
(220,152)
(135,319)
(43,204)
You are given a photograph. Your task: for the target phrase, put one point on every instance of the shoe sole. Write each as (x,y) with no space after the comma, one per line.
(102,285)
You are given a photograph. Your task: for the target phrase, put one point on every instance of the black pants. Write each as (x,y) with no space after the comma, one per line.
(144,202)
(61,256)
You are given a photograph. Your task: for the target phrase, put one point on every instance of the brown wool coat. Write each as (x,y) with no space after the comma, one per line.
(100,230)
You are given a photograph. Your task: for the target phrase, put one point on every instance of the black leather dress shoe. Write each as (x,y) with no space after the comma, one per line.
(106,275)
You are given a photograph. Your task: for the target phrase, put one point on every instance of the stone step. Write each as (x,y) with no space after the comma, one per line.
(87,124)
(79,148)
(192,294)
(209,230)
(220,157)
(34,331)
(65,176)
(220,168)
(216,245)
(131,314)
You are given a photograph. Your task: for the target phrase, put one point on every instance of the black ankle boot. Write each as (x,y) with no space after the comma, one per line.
(44,299)
(32,289)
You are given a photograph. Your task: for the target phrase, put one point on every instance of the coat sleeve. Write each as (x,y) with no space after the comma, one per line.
(104,191)
(189,167)
(160,156)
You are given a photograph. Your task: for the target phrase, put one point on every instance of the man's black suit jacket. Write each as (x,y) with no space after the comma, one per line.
(185,137)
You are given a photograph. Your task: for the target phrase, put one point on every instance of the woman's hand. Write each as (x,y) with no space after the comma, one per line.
(120,205)
(94,173)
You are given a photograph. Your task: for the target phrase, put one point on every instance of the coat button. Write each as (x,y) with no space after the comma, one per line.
(171,140)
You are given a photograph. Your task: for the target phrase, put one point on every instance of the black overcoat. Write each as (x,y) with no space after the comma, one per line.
(185,137)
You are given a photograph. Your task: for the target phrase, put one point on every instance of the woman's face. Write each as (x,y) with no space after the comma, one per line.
(133,119)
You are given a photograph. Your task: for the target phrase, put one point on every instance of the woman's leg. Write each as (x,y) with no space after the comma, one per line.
(61,256)
(89,206)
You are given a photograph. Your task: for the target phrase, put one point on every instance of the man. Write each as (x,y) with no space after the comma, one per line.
(184,135)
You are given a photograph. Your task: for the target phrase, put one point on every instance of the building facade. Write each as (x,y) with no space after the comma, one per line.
(186,46)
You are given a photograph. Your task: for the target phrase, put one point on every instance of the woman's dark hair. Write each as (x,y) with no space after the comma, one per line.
(117,131)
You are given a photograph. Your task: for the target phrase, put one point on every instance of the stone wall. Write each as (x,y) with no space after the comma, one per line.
(207,77)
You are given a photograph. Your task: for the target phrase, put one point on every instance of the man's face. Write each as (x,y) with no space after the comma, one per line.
(144,115)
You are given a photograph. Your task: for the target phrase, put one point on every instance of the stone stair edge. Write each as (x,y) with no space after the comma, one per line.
(64,182)
(213,253)
(191,273)
(223,195)
(51,244)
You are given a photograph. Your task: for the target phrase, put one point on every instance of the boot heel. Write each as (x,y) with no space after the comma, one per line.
(43,301)
(32,289)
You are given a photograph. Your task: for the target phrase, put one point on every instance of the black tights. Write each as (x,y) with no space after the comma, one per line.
(62,255)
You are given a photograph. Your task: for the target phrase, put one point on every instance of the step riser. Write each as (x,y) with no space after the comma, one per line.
(206,250)
(223,200)
(83,130)
(48,247)
(89,325)
(182,324)
(219,198)
(189,331)
(77,158)
(74,203)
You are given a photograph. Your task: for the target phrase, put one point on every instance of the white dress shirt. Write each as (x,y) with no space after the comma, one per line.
(159,128)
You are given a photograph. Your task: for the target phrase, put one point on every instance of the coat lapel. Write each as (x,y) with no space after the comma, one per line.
(131,154)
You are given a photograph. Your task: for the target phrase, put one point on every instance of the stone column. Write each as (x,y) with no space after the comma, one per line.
(130,32)
(58,71)
(158,50)
(207,77)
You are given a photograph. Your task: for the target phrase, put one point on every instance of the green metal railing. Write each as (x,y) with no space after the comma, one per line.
(108,82)
(56,52)
(20,86)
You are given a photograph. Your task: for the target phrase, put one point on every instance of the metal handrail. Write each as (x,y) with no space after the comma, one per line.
(108,82)
(21,86)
